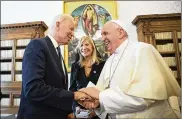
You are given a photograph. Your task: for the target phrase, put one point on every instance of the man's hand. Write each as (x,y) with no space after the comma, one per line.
(91,91)
(78,95)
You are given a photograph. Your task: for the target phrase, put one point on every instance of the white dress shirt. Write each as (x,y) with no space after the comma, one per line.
(55,44)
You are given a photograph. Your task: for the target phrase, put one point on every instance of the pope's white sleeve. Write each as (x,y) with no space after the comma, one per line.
(100,112)
(115,101)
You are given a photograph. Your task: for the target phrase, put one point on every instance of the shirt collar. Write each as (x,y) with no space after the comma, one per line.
(121,47)
(54,42)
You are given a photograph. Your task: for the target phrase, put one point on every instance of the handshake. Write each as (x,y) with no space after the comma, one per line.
(88,97)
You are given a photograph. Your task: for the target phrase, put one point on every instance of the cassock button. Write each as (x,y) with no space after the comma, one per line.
(94,72)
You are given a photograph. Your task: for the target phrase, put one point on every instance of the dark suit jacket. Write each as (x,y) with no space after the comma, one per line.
(44,94)
(79,80)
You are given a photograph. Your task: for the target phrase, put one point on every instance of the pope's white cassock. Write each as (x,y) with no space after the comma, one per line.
(137,83)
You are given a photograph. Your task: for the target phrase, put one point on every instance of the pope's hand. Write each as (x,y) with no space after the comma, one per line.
(78,95)
(91,91)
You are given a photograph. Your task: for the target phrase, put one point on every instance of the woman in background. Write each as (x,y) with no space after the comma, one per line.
(87,67)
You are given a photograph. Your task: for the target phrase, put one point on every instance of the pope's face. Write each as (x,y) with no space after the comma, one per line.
(110,37)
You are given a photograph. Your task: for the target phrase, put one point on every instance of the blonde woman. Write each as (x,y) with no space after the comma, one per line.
(87,67)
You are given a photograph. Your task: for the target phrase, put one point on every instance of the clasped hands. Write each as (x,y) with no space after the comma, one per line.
(88,97)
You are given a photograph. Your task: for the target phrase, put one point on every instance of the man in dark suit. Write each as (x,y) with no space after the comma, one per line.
(44,86)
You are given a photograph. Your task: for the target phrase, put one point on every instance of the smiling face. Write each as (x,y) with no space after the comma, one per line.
(86,48)
(64,30)
(111,35)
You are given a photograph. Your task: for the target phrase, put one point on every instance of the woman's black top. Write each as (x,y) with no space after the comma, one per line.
(79,79)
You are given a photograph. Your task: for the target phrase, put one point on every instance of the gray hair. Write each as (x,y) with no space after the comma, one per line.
(60,17)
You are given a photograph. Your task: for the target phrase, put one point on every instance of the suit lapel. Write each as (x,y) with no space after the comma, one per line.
(53,51)
(58,60)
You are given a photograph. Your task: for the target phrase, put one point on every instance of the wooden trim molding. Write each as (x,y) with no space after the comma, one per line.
(26,24)
(155,17)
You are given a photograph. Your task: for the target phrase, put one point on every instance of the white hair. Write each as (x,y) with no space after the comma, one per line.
(60,17)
